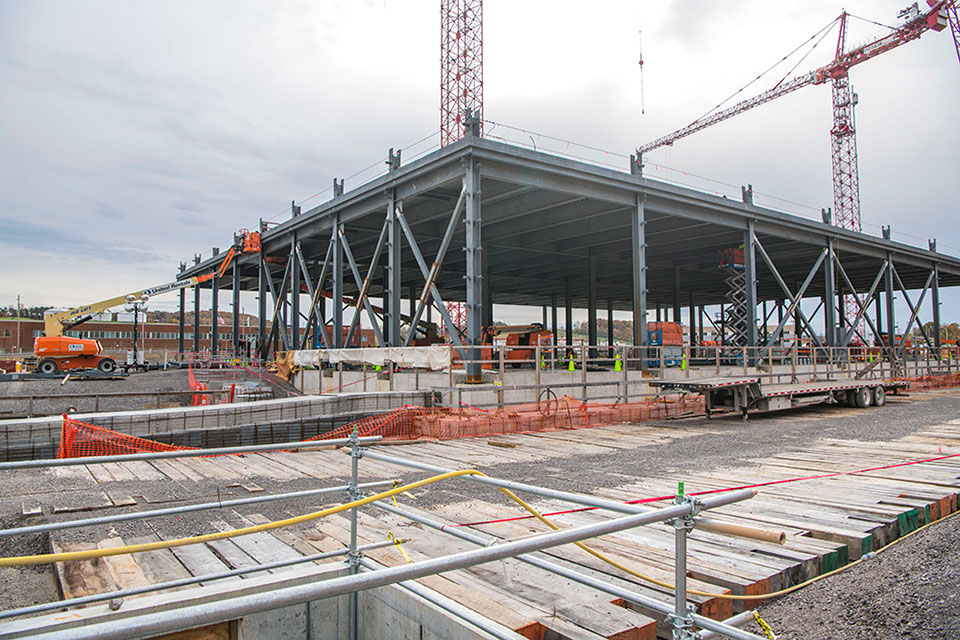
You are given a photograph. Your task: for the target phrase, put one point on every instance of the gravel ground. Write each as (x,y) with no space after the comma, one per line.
(908,591)
(885,595)
(49,390)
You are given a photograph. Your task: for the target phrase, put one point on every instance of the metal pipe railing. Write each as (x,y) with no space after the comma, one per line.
(186,453)
(190,616)
(182,582)
(189,508)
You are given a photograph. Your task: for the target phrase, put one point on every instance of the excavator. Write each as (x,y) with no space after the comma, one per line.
(58,352)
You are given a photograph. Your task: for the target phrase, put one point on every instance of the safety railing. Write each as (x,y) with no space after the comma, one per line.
(49,404)
(363,573)
(619,373)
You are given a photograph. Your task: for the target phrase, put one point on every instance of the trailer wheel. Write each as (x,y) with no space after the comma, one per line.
(107,365)
(862,397)
(47,365)
(879,396)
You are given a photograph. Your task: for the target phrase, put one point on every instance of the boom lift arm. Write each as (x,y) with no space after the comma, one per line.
(55,324)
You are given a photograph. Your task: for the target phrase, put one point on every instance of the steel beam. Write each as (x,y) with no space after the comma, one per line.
(568,310)
(361,285)
(262,338)
(891,312)
(794,300)
(676,292)
(830,296)
(317,302)
(914,310)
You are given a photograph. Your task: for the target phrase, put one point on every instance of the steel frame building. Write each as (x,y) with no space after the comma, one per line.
(485,222)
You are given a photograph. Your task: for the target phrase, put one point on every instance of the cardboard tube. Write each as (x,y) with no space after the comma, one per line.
(739,530)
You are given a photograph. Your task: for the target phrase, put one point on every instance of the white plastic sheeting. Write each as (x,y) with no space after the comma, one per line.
(433,357)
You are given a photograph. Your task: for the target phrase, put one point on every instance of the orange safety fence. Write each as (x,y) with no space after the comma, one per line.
(80,439)
(923,383)
(438,423)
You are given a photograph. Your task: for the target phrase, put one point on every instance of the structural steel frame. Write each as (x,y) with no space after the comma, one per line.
(514,226)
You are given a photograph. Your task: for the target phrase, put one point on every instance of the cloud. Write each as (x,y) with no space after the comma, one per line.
(44,240)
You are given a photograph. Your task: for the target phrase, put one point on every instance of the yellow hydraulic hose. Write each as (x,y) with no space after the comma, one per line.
(724,596)
(17,561)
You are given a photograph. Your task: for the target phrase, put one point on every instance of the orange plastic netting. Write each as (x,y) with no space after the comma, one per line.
(79,439)
(921,383)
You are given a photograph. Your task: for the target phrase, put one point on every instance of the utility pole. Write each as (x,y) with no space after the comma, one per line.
(19,350)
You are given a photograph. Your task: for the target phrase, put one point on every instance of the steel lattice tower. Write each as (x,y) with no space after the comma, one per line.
(461,66)
(846,181)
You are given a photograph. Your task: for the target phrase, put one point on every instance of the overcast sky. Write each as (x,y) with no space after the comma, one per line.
(134,133)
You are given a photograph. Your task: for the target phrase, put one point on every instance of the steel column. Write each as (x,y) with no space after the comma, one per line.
(891,313)
(691,309)
(592,302)
(262,337)
(830,296)
(183,311)
(473,249)
(214,314)
(568,311)
(295,279)
(393,293)
(935,293)
(750,271)
(196,320)
(337,315)
(639,260)
(676,292)
(553,316)
(610,326)
(235,303)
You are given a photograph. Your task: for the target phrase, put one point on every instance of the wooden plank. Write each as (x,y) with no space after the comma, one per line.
(80,578)
(126,573)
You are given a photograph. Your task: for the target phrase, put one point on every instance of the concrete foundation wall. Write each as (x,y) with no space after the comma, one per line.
(38,437)
(385,612)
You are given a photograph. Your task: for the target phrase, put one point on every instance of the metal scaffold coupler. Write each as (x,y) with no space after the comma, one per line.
(683,627)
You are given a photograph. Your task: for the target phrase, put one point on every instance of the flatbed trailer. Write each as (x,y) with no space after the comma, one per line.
(746,394)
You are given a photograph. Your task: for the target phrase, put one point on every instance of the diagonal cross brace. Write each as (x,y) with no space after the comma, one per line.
(360,285)
(795,304)
(415,248)
(865,304)
(431,278)
(365,289)
(794,299)
(914,311)
(315,298)
(277,301)
(311,291)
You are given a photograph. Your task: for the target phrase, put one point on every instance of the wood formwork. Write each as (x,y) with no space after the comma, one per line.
(829,522)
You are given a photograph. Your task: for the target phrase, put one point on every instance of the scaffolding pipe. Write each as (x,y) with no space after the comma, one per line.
(566,496)
(173,584)
(546,565)
(202,614)
(450,606)
(140,515)
(186,453)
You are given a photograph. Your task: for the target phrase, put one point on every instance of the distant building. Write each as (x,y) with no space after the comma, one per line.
(116,337)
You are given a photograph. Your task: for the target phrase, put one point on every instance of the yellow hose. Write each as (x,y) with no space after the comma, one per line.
(17,561)
(724,596)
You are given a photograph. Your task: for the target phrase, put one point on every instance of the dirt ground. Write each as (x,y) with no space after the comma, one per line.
(907,591)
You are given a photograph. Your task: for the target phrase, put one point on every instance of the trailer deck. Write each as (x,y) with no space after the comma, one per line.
(749,393)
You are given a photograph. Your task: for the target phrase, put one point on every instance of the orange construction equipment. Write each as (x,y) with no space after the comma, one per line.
(523,336)
(60,353)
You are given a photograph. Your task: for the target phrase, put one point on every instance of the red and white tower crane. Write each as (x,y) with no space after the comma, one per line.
(461,66)
(846,188)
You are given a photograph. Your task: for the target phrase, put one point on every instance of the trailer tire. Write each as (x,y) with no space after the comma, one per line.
(47,365)
(851,397)
(862,397)
(879,396)
(107,365)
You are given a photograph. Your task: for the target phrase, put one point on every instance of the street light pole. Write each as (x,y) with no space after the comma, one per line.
(136,306)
